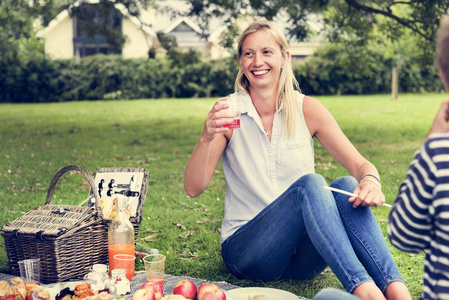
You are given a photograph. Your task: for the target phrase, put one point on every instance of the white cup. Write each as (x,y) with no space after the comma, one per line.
(234,108)
(30,269)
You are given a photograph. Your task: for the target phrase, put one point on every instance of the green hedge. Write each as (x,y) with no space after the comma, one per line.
(339,70)
(332,70)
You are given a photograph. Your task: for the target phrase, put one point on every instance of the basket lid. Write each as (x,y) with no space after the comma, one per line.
(50,220)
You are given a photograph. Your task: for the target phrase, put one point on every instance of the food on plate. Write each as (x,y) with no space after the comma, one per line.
(17,281)
(83,290)
(65,294)
(101,296)
(4,287)
(41,295)
(31,287)
(66,297)
(174,297)
(256,297)
(20,290)
(185,288)
(210,291)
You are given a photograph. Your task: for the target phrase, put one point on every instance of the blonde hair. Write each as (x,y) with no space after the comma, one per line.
(443,49)
(287,80)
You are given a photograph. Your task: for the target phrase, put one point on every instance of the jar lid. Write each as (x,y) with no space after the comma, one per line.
(118,272)
(101,268)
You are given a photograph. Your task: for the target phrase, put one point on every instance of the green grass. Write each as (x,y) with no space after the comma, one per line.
(39,139)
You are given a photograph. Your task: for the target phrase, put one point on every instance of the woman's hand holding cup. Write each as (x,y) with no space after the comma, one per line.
(224,116)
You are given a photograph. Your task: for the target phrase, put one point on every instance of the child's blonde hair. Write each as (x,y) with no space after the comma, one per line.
(443,50)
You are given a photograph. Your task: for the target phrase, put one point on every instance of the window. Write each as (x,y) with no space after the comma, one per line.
(91,22)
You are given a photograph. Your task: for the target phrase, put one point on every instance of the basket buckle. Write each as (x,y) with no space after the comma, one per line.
(60,211)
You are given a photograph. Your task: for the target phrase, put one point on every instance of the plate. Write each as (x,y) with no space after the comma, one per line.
(269,293)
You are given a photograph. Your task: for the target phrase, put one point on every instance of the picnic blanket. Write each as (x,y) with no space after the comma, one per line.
(169,282)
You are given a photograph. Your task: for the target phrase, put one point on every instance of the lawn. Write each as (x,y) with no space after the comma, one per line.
(39,139)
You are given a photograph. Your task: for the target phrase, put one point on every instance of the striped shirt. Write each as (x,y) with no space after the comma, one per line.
(419,219)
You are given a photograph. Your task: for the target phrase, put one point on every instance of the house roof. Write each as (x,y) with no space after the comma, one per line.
(120,7)
(188,21)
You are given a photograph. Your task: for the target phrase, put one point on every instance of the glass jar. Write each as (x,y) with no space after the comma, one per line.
(121,283)
(97,277)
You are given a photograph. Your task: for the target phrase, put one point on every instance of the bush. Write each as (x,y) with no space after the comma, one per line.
(416,79)
(26,74)
(112,77)
(334,69)
(338,70)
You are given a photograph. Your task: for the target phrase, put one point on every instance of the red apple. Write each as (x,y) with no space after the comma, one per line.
(208,287)
(214,295)
(185,288)
(143,294)
(155,288)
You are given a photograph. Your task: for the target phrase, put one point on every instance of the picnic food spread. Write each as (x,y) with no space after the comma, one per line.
(20,290)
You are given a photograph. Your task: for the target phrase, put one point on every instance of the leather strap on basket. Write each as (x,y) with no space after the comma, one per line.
(88,177)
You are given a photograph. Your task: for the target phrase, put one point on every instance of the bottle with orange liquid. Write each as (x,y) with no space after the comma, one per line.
(121,239)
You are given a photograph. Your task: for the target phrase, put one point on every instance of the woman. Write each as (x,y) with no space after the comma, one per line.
(279,221)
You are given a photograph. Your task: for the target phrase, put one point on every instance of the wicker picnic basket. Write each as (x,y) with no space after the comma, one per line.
(68,239)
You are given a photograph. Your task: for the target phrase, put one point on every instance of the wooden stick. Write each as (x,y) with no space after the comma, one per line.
(348,193)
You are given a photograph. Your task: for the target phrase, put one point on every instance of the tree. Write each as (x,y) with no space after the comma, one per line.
(353,19)
(19,47)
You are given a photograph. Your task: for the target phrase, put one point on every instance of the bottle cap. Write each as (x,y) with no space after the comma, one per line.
(154,251)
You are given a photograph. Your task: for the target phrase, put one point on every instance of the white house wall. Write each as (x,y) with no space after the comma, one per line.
(59,40)
(137,43)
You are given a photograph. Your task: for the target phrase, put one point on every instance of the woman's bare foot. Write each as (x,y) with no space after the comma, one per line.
(397,290)
(368,291)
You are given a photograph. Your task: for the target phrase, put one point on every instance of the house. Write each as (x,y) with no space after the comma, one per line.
(188,33)
(64,38)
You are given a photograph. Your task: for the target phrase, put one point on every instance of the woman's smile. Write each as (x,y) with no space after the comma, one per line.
(260,72)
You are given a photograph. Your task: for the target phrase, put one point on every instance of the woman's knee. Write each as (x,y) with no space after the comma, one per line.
(311,179)
(333,294)
(311,188)
(347,183)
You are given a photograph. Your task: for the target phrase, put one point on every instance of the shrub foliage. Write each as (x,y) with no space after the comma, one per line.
(334,69)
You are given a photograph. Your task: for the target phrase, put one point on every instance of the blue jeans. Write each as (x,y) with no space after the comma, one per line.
(334,294)
(307,229)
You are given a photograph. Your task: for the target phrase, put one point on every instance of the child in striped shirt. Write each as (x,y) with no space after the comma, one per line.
(419,219)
